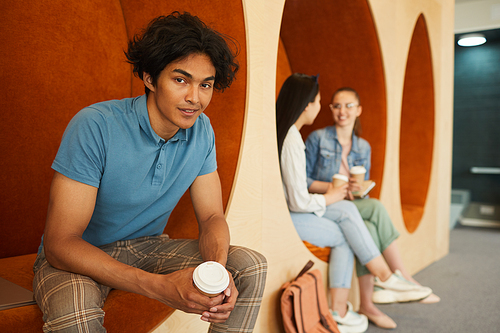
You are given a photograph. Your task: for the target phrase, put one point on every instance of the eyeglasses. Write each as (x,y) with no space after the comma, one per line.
(338,106)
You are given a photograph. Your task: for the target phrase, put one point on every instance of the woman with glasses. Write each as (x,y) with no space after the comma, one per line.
(336,149)
(326,219)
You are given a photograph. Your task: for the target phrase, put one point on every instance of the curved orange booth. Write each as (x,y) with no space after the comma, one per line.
(58,57)
(338,39)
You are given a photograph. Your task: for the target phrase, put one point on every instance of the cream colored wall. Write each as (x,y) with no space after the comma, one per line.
(257,212)
(395,24)
(476,15)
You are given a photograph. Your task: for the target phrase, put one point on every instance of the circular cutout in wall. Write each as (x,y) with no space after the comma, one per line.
(338,40)
(417,127)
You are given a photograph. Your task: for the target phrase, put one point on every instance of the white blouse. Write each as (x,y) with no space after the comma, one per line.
(294,177)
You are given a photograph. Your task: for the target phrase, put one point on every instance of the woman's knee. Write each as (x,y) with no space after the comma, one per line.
(370,207)
(345,205)
(342,211)
(351,210)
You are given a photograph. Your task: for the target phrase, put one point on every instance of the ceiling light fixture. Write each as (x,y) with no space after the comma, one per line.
(472,40)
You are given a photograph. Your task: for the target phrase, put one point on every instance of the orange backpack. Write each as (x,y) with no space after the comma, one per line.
(304,306)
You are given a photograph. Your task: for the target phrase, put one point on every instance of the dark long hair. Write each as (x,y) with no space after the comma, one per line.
(357,123)
(176,36)
(296,93)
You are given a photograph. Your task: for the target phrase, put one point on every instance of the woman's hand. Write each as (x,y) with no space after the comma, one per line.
(335,194)
(354,185)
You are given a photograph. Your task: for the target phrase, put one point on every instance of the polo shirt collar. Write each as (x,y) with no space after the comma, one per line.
(142,113)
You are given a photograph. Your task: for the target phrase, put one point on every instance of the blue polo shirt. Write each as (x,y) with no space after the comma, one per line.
(140,177)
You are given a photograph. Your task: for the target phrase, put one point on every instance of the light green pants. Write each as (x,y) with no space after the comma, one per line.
(379,225)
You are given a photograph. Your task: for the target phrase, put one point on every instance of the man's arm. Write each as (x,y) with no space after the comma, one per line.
(214,233)
(214,236)
(70,209)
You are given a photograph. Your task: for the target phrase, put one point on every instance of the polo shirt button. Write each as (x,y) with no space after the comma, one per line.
(159,166)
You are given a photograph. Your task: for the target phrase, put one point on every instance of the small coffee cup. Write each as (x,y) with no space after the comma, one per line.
(358,172)
(210,278)
(339,180)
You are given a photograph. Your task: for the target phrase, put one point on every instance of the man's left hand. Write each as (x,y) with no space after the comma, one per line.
(220,313)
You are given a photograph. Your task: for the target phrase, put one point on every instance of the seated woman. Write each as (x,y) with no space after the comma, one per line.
(336,149)
(326,219)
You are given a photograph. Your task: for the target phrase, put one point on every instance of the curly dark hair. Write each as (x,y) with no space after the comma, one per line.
(176,36)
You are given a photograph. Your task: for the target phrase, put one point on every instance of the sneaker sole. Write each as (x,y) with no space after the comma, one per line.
(353,329)
(389,296)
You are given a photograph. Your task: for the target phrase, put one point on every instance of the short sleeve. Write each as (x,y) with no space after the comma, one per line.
(210,164)
(81,155)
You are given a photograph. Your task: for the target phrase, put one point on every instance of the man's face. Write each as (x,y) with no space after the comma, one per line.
(182,92)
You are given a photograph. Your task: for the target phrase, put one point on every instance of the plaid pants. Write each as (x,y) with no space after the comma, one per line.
(73,303)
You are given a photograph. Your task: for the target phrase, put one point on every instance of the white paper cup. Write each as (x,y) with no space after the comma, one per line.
(358,172)
(339,180)
(210,278)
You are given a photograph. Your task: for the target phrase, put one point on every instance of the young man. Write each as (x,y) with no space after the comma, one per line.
(120,170)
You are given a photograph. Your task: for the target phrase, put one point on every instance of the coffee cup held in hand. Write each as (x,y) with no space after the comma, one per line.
(210,278)
(358,172)
(339,180)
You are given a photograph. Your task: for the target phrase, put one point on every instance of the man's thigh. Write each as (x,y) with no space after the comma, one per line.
(160,254)
(68,301)
(55,290)
(170,255)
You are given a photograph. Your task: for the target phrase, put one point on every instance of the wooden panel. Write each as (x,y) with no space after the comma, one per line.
(258,213)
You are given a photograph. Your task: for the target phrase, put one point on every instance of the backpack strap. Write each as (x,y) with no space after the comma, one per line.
(307,267)
(323,320)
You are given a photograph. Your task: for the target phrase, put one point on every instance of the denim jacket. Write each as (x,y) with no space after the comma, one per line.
(324,155)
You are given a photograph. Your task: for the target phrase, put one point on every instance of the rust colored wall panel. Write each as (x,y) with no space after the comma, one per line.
(338,40)
(56,59)
(417,127)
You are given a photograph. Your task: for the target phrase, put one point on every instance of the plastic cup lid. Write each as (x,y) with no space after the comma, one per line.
(359,169)
(211,277)
(341,177)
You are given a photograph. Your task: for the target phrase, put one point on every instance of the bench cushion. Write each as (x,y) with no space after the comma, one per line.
(123,309)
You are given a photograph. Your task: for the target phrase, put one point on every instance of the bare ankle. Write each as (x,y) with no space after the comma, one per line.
(384,277)
(370,309)
(341,309)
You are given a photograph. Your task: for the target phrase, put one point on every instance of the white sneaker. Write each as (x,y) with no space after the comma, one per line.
(398,289)
(352,322)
